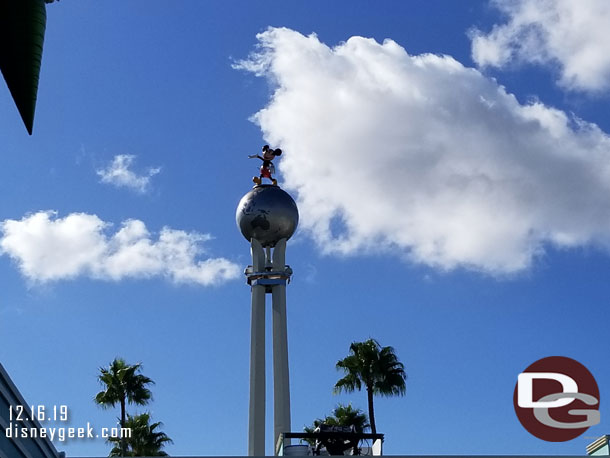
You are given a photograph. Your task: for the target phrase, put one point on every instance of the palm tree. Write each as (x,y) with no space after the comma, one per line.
(375,367)
(343,415)
(123,384)
(144,440)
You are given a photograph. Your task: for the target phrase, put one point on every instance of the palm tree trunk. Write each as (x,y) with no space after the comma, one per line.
(123,448)
(369,392)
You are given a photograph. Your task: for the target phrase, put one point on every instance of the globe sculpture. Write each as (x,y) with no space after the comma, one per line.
(267,213)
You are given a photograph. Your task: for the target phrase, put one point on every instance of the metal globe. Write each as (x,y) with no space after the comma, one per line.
(267,213)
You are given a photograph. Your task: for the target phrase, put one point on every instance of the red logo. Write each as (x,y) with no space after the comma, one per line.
(556,399)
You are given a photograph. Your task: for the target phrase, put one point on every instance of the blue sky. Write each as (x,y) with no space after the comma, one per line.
(452,184)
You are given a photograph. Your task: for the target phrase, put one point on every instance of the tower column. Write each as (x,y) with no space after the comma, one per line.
(256,416)
(281,379)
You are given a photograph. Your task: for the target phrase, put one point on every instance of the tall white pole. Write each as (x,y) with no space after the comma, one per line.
(281,380)
(256,419)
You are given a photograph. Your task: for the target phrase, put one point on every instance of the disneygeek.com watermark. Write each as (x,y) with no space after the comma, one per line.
(26,422)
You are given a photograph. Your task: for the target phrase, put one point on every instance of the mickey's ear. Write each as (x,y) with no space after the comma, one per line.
(278,152)
(265,148)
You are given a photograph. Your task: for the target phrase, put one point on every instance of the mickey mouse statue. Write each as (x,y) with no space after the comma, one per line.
(267,168)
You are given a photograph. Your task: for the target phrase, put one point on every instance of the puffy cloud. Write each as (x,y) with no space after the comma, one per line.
(118,174)
(573,35)
(425,158)
(48,248)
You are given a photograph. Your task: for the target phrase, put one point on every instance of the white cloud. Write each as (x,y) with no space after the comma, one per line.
(423,157)
(118,174)
(574,35)
(48,248)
